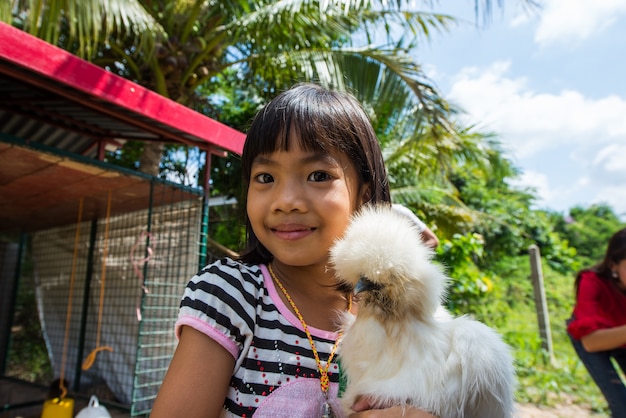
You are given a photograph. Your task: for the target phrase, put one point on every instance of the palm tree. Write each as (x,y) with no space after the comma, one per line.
(179,48)
(173,47)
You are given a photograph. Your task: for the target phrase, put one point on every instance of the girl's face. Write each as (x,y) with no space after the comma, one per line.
(300,201)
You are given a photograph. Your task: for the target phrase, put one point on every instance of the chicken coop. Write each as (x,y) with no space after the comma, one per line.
(109,250)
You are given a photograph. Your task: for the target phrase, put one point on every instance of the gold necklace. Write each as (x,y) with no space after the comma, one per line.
(324,380)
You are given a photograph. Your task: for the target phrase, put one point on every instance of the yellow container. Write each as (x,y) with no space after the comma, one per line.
(58,408)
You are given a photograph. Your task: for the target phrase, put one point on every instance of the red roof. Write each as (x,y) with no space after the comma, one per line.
(115,108)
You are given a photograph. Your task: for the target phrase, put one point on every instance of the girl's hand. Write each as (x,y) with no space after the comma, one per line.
(363,409)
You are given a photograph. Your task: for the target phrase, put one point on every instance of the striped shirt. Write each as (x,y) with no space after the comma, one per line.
(275,371)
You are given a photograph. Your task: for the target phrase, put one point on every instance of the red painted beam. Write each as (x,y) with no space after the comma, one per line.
(61,67)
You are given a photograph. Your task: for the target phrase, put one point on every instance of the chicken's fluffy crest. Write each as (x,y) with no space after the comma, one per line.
(403,259)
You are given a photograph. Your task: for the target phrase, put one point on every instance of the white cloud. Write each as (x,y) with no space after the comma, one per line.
(575,144)
(530,122)
(537,181)
(564,21)
(549,195)
(610,164)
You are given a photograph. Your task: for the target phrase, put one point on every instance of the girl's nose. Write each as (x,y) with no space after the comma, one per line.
(289,196)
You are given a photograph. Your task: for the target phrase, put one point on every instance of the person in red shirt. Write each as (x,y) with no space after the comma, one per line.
(597,328)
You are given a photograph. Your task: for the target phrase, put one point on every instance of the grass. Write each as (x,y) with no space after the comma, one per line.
(542,379)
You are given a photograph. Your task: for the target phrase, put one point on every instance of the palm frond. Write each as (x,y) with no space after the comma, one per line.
(375,75)
(83,25)
(6,14)
(440,208)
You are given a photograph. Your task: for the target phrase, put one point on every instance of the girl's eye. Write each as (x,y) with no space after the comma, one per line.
(319,176)
(264,178)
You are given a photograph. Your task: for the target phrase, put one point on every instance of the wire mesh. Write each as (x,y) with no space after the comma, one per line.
(91,295)
(176,234)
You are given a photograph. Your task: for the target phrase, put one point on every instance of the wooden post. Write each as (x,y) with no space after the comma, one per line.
(540,301)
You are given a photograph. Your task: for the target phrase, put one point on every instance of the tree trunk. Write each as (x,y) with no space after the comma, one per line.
(151,157)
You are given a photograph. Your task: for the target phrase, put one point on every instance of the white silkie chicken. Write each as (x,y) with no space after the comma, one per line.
(403,347)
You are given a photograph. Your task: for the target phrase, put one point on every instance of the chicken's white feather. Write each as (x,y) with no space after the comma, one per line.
(404,348)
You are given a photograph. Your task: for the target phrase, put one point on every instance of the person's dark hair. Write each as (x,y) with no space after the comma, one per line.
(322,120)
(615,253)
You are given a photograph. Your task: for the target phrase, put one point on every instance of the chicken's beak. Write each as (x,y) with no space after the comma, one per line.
(364,285)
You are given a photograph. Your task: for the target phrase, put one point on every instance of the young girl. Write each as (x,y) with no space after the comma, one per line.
(258,336)
(598,325)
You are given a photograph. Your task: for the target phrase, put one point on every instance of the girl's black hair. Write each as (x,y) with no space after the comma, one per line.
(615,253)
(322,120)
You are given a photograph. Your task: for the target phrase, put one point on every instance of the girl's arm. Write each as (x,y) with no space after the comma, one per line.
(604,339)
(429,238)
(396,411)
(362,410)
(197,380)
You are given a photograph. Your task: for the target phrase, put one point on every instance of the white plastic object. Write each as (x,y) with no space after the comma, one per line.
(93,410)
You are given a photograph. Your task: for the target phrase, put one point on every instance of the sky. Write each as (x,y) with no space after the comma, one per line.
(551,84)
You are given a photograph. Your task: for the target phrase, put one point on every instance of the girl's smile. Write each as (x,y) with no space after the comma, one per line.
(292,232)
(300,201)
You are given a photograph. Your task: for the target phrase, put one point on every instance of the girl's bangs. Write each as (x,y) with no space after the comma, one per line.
(302,124)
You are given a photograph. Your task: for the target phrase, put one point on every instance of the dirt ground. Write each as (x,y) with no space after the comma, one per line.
(14,391)
(564,411)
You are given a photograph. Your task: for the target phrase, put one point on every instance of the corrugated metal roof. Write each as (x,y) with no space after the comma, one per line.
(57,112)
(35,115)
(50,96)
